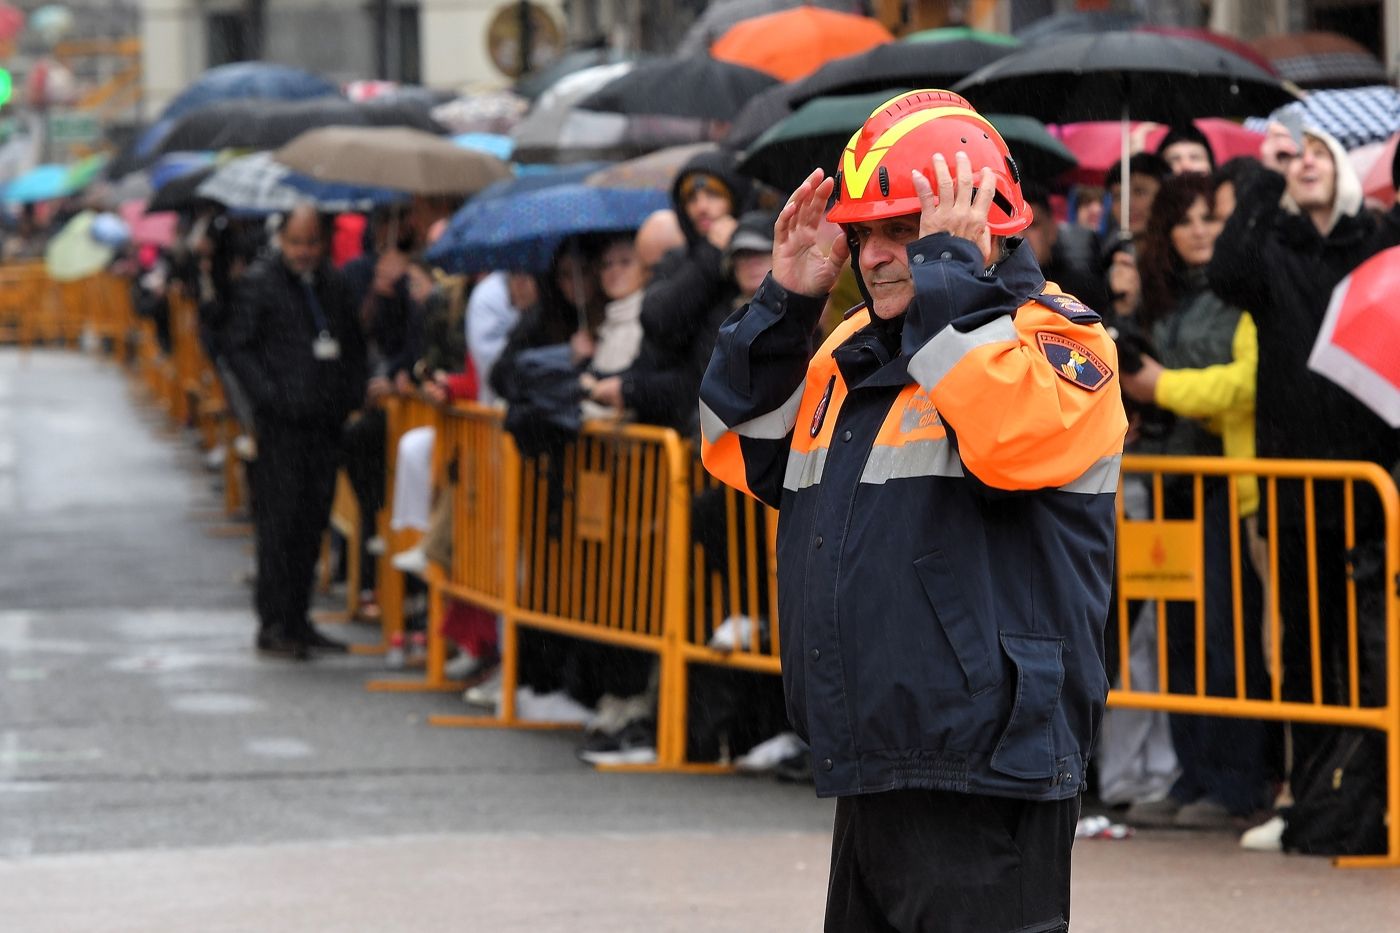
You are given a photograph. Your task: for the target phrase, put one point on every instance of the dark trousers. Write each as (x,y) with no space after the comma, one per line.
(917,861)
(293,484)
(1222,758)
(365,450)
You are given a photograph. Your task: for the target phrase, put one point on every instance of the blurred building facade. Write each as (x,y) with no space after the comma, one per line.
(454,44)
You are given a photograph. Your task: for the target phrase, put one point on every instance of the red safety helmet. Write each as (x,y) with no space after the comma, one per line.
(900,137)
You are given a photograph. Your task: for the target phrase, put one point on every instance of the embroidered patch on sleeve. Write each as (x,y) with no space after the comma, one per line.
(1071,307)
(1073,361)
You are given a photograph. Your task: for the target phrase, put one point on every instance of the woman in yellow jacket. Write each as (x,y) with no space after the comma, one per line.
(1202,371)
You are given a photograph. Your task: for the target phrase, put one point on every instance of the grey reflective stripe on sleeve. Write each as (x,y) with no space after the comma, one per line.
(774,426)
(804,470)
(916,458)
(937,357)
(1101,477)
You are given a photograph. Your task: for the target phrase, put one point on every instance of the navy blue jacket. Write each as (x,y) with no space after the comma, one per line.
(945,484)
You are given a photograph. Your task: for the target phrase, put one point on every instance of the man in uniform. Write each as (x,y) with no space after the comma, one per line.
(945,467)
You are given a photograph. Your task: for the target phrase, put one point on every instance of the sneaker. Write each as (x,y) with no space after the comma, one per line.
(413,561)
(487,693)
(1153,813)
(462,666)
(1204,814)
(214,459)
(766,756)
(246,447)
(376,545)
(634,745)
(557,706)
(1266,837)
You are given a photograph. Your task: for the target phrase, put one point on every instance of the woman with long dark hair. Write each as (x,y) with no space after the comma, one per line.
(1202,370)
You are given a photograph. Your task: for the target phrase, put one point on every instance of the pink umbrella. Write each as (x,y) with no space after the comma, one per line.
(155,229)
(1099,145)
(1358,347)
(11,22)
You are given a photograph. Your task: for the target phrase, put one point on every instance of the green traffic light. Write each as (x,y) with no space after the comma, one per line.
(7,86)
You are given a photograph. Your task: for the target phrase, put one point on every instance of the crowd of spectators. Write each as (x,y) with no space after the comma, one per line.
(1215,293)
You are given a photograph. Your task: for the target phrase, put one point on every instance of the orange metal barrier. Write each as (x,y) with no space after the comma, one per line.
(27,315)
(471,442)
(598,537)
(1160,559)
(401,415)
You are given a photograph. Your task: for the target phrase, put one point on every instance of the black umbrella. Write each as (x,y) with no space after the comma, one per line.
(179,194)
(267,124)
(927,63)
(1075,23)
(1123,75)
(681,87)
(759,115)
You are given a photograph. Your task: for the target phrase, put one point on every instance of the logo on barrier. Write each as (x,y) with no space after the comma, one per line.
(1161,559)
(593,501)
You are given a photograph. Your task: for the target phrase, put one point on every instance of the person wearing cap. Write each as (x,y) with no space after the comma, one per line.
(1292,237)
(944,466)
(1186,149)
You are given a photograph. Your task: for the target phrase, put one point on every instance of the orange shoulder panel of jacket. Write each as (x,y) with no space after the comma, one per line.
(1039,412)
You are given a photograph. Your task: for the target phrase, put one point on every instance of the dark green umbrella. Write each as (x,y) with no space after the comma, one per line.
(934,58)
(818,131)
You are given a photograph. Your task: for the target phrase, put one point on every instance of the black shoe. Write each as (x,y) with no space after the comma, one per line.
(278,645)
(318,642)
(634,745)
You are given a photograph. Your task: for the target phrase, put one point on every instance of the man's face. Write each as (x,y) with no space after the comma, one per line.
(302,244)
(884,264)
(1187,156)
(1042,234)
(706,203)
(1312,176)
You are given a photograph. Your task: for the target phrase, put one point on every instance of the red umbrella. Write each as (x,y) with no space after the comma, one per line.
(1359,344)
(1099,146)
(11,22)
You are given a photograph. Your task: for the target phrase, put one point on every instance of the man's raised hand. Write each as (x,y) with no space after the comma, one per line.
(800,263)
(954,210)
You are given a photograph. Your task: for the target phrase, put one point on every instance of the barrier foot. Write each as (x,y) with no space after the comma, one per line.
(404,685)
(495,722)
(332,617)
(657,768)
(1367,861)
(372,650)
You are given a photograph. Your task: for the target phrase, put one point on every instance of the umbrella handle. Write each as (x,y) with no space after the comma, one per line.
(1124,179)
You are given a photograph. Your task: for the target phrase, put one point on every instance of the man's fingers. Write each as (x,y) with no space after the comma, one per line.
(841,248)
(986,191)
(964,169)
(924,190)
(811,213)
(943,178)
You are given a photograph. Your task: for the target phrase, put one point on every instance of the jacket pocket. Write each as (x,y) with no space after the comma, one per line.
(1026,749)
(960,625)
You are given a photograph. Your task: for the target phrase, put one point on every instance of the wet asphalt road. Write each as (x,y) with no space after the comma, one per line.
(155,775)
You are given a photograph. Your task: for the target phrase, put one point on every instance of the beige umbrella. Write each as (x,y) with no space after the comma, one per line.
(391,157)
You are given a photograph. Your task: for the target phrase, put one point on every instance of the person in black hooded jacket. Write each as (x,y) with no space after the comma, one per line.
(1291,239)
(678,325)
